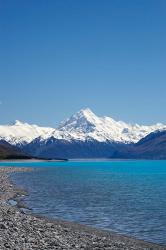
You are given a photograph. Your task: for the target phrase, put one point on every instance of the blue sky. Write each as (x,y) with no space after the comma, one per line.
(58,56)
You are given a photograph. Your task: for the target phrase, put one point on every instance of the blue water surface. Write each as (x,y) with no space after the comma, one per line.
(128,197)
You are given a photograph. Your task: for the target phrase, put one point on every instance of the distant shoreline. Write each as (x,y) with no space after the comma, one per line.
(76,160)
(33,160)
(31,231)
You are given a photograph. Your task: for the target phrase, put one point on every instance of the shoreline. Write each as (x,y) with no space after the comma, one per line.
(32,160)
(25,231)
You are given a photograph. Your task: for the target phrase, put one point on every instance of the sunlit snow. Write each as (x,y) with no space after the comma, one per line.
(84,125)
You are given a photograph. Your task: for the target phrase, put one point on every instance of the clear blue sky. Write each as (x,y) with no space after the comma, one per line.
(59,56)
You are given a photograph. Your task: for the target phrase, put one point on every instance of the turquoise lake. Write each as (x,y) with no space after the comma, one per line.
(128,197)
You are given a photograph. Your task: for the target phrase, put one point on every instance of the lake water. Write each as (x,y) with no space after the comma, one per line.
(128,197)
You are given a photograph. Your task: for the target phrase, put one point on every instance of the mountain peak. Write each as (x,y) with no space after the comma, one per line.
(87,113)
(83,121)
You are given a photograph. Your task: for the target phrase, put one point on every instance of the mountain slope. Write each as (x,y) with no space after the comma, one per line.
(8,151)
(82,135)
(59,148)
(86,125)
(153,146)
(82,126)
(20,132)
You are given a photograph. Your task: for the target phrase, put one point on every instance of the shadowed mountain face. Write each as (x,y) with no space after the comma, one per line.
(8,151)
(153,146)
(54,148)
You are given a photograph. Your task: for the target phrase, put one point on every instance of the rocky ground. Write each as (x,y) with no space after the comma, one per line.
(20,231)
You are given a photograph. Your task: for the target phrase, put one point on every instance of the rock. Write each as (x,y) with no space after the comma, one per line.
(2,226)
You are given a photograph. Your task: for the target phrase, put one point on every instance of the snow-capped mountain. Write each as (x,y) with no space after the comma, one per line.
(86,125)
(20,132)
(152,146)
(82,126)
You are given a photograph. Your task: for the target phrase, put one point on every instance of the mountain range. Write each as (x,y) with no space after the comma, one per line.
(83,135)
(153,146)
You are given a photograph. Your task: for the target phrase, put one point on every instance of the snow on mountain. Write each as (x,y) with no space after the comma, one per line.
(20,132)
(84,125)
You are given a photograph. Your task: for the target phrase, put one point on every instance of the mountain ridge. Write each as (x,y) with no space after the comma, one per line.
(82,126)
(152,146)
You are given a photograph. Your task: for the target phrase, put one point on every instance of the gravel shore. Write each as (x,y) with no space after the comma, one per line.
(20,231)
